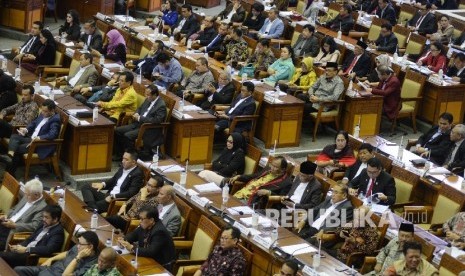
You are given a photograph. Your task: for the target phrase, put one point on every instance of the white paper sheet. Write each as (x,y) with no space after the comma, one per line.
(266,222)
(297,249)
(207,188)
(170,168)
(246,210)
(188,108)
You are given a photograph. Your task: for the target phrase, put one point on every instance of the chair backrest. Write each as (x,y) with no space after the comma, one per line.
(248,256)
(461,4)
(448,203)
(188,65)
(251,44)
(427,249)
(375,28)
(406,13)
(402,34)
(185,211)
(301,7)
(412,86)
(58,58)
(354,143)
(297,31)
(75,62)
(406,181)
(415,44)
(205,237)
(387,163)
(64,123)
(68,226)
(459,28)
(145,49)
(170,103)
(252,158)
(333,10)
(450,266)
(8,192)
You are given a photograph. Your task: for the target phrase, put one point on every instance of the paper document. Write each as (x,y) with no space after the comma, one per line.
(297,249)
(188,108)
(74,111)
(119,250)
(246,210)
(271,93)
(170,168)
(438,170)
(207,188)
(84,123)
(266,222)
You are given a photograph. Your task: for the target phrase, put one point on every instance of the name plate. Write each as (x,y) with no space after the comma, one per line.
(177,55)
(262,241)
(69,52)
(118,25)
(141,36)
(309,271)
(202,202)
(228,219)
(339,41)
(178,114)
(180,189)
(396,161)
(244,230)
(100,16)
(73,120)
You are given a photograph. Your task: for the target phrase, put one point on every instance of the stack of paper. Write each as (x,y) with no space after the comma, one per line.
(188,108)
(271,93)
(297,249)
(207,188)
(170,168)
(245,210)
(263,221)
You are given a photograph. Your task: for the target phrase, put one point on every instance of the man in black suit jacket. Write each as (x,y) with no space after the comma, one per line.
(244,104)
(364,154)
(387,40)
(221,93)
(47,239)
(457,71)
(215,44)
(436,142)
(424,22)
(152,238)
(386,11)
(357,63)
(334,212)
(91,36)
(307,44)
(373,180)
(124,184)
(187,23)
(32,44)
(343,21)
(152,111)
(205,35)
(455,160)
(305,192)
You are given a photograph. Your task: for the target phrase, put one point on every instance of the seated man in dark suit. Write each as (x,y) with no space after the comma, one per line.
(221,92)
(344,21)
(187,23)
(124,184)
(387,12)
(146,64)
(307,44)
(423,22)
(357,64)
(45,127)
(32,44)
(387,40)
(91,36)
(152,111)
(204,36)
(273,181)
(244,104)
(374,180)
(47,239)
(8,95)
(104,93)
(215,44)
(152,239)
(455,160)
(457,71)
(364,154)
(305,192)
(327,216)
(436,142)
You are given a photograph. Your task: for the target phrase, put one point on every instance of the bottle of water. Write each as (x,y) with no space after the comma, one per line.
(94,221)
(189,44)
(139,78)
(244,77)
(441,74)
(339,34)
(225,193)
(357,131)
(102,59)
(61,203)
(155,32)
(108,243)
(155,159)
(95,114)
(276,93)
(274,236)
(4,65)
(181,106)
(63,38)
(52,95)
(37,86)
(171,41)
(351,85)
(361,196)
(205,54)
(18,73)
(229,69)
(85,47)
(395,57)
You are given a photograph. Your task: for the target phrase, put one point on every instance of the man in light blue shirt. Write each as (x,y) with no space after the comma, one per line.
(273,26)
(167,71)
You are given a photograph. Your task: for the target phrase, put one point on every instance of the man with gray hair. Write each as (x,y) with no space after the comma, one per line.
(168,211)
(26,215)
(221,92)
(455,160)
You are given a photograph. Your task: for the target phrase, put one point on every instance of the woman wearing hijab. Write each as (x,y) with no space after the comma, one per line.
(303,78)
(231,161)
(373,78)
(71,28)
(115,49)
(283,68)
(339,154)
(46,53)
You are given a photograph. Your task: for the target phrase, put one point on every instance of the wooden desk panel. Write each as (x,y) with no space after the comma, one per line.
(366,110)
(204,3)
(439,99)
(148,5)
(20,14)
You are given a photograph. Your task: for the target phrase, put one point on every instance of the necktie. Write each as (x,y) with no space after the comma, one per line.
(213,41)
(28,46)
(370,187)
(449,158)
(351,66)
(419,21)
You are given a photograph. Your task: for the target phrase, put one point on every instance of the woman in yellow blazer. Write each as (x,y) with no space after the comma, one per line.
(303,78)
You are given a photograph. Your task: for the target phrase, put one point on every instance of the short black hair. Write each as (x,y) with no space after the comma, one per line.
(283,160)
(90,237)
(258,7)
(375,163)
(447,116)
(236,233)
(160,43)
(265,42)
(460,56)
(203,61)
(292,265)
(187,6)
(444,15)
(54,211)
(38,23)
(366,146)
(132,152)
(129,76)
(411,245)
(250,86)
(173,5)
(238,32)
(153,89)
(347,7)
(30,88)
(343,133)
(92,23)
(49,104)
(387,26)
(150,212)
(159,179)
(309,27)
(162,57)
(88,56)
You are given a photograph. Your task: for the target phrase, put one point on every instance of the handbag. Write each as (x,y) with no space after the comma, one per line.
(249,69)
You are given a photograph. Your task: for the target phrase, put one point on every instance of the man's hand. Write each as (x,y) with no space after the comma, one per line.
(1,116)
(456,79)
(369,90)
(314,99)
(60,79)
(108,199)
(136,116)
(85,90)
(202,49)
(378,268)
(233,179)
(263,192)
(353,192)
(382,197)
(9,224)
(186,93)
(95,53)
(122,210)
(128,63)
(183,41)
(319,235)
(77,88)
(300,226)
(452,236)
(84,253)
(125,244)
(18,249)
(48,262)
(97,186)
(99,103)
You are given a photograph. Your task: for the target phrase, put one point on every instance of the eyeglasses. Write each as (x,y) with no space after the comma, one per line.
(226,238)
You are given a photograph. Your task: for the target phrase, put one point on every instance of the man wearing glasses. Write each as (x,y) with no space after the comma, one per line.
(424,22)
(374,182)
(226,258)
(75,261)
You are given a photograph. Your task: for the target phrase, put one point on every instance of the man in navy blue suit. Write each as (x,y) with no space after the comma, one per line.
(45,127)
(244,104)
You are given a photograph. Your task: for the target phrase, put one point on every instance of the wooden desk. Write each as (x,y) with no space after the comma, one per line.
(366,110)
(86,8)
(20,14)
(438,99)
(5,269)
(148,5)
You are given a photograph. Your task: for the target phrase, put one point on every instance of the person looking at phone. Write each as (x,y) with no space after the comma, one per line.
(374,180)
(221,92)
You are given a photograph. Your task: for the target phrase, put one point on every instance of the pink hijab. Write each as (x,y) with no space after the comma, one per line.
(115,38)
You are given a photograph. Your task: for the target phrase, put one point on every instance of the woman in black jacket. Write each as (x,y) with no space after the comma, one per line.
(46,53)
(71,28)
(230,162)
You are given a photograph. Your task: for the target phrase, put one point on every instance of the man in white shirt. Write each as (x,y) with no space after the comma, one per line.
(364,154)
(168,211)
(455,160)
(26,215)
(124,184)
(85,76)
(273,27)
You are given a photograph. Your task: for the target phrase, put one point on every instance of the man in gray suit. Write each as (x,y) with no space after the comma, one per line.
(153,111)
(307,44)
(169,212)
(86,75)
(26,215)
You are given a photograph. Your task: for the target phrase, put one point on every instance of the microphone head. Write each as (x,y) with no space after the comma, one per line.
(241,213)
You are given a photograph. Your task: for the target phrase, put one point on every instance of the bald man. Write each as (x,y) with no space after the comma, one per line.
(106,264)
(168,211)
